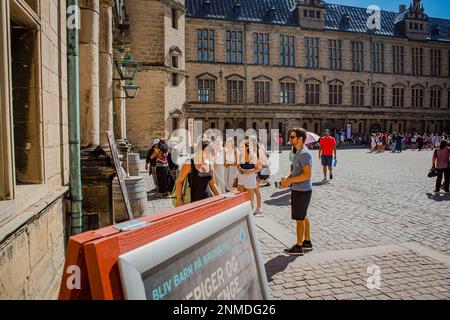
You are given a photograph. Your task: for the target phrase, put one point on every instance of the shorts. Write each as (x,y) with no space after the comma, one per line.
(247,180)
(299,204)
(327,161)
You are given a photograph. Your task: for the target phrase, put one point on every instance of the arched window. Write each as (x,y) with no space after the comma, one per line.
(312,91)
(206,88)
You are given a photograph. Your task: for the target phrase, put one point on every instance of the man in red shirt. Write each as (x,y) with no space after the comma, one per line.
(327,148)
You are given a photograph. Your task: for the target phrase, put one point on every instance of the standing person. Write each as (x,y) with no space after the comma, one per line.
(301,191)
(200,174)
(280,143)
(441,163)
(150,164)
(248,169)
(326,150)
(399,142)
(373,143)
(437,141)
(231,164)
(419,141)
(165,178)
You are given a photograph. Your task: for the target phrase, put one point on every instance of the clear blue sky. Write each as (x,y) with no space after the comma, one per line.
(433,8)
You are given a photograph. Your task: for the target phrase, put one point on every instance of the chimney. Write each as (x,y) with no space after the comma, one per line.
(401,8)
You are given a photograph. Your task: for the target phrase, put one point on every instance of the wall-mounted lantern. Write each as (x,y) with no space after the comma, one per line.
(128,67)
(131,90)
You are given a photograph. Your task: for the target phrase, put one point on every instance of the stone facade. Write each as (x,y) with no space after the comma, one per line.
(32,205)
(315,117)
(155,43)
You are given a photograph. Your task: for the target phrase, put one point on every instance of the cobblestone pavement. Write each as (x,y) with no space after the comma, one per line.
(379,210)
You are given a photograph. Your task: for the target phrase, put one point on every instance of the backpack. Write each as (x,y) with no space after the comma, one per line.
(185,191)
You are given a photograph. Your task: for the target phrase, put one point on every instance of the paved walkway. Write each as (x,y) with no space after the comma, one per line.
(379,212)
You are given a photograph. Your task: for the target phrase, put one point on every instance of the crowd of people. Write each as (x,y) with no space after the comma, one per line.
(216,168)
(220,167)
(397,142)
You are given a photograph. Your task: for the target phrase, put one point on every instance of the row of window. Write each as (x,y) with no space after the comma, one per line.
(262,94)
(261,53)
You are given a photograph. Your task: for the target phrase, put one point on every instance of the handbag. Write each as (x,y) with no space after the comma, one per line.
(432,173)
(235,183)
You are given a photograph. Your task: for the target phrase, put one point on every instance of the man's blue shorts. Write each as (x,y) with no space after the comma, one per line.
(327,161)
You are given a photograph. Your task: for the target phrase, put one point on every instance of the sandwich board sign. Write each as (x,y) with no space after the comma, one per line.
(215,259)
(120,177)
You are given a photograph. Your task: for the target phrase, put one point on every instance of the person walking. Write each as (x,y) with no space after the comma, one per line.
(280,143)
(231,164)
(150,164)
(399,143)
(200,174)
(440,162)
(301,191)
(326,150)
(165,178)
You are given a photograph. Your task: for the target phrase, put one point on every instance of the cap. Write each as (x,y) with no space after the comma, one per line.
(327,130)
(156,141)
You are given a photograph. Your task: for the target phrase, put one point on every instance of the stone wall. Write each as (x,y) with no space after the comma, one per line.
(32,239)
(152,37)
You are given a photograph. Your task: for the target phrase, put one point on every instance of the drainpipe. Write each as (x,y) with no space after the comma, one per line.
(74,120)
(245,75)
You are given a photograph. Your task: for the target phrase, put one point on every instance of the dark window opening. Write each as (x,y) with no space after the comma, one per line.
(25,104)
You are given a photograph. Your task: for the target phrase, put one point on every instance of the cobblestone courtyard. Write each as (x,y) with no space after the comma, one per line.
(379,210)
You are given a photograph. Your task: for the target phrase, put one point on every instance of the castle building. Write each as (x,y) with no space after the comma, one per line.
(283,63)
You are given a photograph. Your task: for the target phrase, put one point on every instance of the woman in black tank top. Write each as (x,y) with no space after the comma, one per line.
(200,175)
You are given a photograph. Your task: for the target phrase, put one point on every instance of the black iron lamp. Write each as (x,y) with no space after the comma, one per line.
(131,90)
(128,67)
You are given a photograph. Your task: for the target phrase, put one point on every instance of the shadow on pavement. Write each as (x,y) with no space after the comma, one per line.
(277,265)
(279,193)
(319,184)
(439,196)
(282,201)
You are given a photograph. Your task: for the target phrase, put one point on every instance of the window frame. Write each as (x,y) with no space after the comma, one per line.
(417,61)
(238,91)
(206,46)
(377,57)
(262,91)
(261,48)
(417,101)
(234,46)
(357,56)
(378,95)
(335,93)
(206,94)
(287,92)
(287,50)
(335,54)
(312,52)
(398,97)
(312,93)
(435,65)
(7,170)
(358,94)
(398,59)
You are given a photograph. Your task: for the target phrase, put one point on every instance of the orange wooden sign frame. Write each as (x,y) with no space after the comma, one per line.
(96,252)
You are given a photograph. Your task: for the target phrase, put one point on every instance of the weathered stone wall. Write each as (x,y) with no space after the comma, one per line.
(32,239)
(152,37)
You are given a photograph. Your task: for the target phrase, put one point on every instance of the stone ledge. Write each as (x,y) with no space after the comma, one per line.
(30,214)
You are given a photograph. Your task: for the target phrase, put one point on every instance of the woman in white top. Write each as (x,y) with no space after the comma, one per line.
(248,168)
(231,164)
